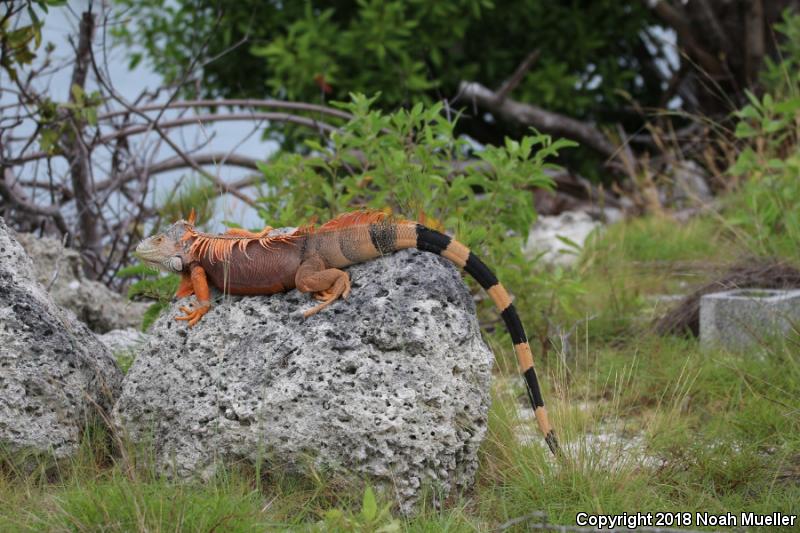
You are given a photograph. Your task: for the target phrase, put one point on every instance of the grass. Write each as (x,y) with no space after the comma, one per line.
(649,424)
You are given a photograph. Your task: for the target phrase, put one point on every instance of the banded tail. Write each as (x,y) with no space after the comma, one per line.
(389,237)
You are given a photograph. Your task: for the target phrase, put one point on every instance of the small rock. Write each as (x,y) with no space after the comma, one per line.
(124,340)
(687,186)
(59,269)
(575,226)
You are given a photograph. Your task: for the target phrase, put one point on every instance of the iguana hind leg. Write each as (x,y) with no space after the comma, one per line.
(327,284)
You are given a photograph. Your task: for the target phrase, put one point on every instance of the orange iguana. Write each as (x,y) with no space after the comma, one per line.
(310,259)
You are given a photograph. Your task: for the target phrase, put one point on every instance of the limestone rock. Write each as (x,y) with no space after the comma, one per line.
(543,238)
(686,186)
(124,341)
(59,269)
(391,384)
(53,370)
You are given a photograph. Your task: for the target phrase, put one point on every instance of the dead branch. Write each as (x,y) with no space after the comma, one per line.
(15,197)
(541,119)
(756,43)
(175,163)
(137,129)
(511,83)
(76,151)
(236,102)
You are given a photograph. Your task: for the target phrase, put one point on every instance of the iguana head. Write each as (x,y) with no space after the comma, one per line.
(168,250)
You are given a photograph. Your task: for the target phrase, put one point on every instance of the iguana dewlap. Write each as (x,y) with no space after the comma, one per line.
(310,259)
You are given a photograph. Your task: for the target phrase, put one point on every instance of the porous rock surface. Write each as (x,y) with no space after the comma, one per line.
(59,270)
(391,384)
(54,373)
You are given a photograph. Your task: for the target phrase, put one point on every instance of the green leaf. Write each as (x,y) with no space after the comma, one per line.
(77,93)
(570,243)
(369,505)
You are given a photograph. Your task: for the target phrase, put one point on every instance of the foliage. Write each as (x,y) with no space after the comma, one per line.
(409,51)
(764,212)
(192,194)
(53,128)
(411,163)
(780,77)
(370,519)
(18,46)
(153,285)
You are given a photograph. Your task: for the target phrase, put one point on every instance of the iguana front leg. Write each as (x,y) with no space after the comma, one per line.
(201,291)
(185,288)
(327,284)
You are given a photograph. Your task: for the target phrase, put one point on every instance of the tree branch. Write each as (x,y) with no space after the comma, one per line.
(511,83)
(174,163)
(77,153)
(236,102)
(756,44)
(320,126)
(17,199)
(541,119)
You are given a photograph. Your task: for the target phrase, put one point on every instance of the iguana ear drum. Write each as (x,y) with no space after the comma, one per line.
(175,264)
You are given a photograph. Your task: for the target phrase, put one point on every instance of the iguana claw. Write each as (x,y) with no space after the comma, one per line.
(193,315)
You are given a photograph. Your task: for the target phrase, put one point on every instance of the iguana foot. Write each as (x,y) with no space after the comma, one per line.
(327,294)
(340,289)
(193,315)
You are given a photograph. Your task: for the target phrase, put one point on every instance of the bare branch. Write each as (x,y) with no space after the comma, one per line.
(511,83)
(223,117)
(177,162)
(322,127)
(77,153)
(755,39)
(541,119)
(16,198)
(236,102)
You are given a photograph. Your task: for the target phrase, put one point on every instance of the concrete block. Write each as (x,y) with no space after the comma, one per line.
(738,319)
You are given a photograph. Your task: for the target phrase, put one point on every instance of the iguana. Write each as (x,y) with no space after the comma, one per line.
(310,259)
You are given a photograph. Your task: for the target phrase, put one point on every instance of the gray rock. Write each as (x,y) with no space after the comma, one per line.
(59,270)
(687,186)
(54,372)
(543,239)
(739,319)
(124,340)
(391,384)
